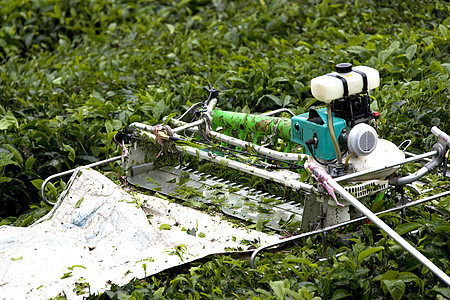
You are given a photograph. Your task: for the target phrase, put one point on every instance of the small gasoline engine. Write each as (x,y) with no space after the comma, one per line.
(343,127)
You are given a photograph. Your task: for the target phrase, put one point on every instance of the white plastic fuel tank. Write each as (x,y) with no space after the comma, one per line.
(327,88)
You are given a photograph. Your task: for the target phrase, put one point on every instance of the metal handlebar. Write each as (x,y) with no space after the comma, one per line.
(65,173)
(442,136)
(441,148)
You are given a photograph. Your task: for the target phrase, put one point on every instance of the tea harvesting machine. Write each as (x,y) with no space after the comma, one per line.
(326,161)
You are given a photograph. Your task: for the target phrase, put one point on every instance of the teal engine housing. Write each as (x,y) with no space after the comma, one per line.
(314,124)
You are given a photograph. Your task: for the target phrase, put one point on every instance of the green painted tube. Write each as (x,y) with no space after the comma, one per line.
(253,123)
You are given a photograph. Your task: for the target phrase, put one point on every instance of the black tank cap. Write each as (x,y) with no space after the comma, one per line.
(344,68)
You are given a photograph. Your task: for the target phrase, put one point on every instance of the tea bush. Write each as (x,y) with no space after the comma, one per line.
(73,73)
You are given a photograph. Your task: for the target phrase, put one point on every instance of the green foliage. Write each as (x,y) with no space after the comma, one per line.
(360,271)
(73,73)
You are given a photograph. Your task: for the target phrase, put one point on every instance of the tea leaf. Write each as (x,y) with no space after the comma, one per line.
(17,258)
(37,183)
(368,252)
(71,152)
(395,287)
(444,31)
(340,293)
(411,51)
(280,288)
(164,227)
(78,204)
(407,227)
(8,121)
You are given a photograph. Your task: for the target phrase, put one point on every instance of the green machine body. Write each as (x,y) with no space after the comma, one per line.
(312,128)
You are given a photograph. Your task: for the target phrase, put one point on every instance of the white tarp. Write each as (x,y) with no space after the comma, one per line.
(99,234)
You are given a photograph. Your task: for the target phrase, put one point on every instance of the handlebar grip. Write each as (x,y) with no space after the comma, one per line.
(441,135)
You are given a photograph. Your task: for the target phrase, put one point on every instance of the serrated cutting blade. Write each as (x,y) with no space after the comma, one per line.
(234,199)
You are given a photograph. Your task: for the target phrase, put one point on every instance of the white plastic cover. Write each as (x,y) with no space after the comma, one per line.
(98,234)
(386,153)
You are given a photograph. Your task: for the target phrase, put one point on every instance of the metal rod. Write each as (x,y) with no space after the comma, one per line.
(333,135)
(277,111)
(247,145)
(389,231)
(336,226)
(212,103)
(287,178)
(188,125)
(278,176)
(414,155)
(65,173)
(187,111)
(143,126)
(373,170)
(296,157)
